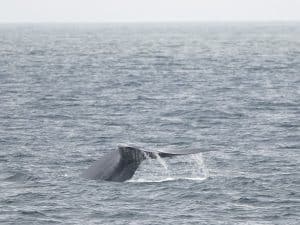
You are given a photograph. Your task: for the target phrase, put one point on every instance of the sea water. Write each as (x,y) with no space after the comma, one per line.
(70,93)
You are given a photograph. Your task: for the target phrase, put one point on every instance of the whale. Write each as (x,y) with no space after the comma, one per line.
(120,165)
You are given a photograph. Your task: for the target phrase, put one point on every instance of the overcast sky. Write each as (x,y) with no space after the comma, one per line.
(148,10)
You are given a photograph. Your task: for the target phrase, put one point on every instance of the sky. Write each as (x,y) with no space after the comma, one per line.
(12,11)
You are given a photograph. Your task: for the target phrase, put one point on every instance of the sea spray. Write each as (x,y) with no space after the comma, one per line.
(189,167)
(200,165)
(161,161)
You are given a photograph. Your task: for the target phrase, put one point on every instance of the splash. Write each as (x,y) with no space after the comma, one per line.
(198,159)
(162,162)
(190,167)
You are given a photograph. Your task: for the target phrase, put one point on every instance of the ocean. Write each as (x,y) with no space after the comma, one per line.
(70,93)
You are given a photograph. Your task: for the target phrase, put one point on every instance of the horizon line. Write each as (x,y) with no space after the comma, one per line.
(150,22)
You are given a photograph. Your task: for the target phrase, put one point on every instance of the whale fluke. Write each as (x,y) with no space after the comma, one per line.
(120,165)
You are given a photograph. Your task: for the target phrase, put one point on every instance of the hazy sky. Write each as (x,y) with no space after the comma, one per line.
(147,10)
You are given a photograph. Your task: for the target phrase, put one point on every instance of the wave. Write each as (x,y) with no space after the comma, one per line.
(20,177)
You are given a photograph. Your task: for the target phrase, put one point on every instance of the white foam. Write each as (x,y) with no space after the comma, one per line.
(141,180)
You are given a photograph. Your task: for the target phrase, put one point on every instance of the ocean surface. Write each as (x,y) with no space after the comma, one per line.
(70,93)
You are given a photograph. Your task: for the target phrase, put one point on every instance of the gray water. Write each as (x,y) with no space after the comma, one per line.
(70,93)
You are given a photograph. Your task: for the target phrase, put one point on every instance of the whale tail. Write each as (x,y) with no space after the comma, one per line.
(121,165)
